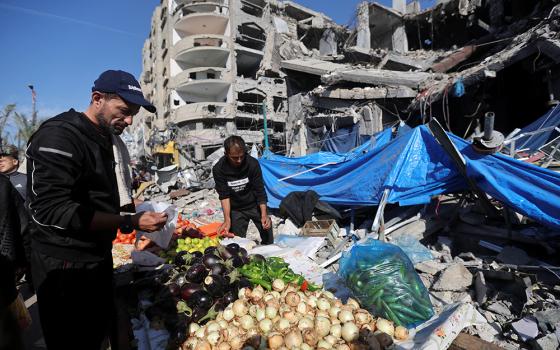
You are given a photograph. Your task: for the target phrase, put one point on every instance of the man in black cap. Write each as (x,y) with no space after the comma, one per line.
(9,164)
(74,200)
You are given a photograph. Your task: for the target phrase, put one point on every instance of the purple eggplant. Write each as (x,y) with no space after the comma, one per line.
(218,269)
(237,261)
(197,254)
(210,260)
(215,285)
(188,289)
(243,283)
(257,258)
(242,251)
(182,258)
(174,289)
(200,299)
(196,273)
(210,250)
(226,252)
(229,298)
(234,246)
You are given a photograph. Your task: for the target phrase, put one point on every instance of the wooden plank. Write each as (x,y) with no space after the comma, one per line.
(466,341)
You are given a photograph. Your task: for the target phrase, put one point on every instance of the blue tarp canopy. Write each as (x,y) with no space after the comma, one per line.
(535,141)
(414,168)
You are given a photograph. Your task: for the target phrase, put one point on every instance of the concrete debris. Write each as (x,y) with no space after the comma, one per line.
(430,267)
(454,278)
(548,342)
(526,328)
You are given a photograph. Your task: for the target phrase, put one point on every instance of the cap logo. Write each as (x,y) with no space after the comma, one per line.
(132,87)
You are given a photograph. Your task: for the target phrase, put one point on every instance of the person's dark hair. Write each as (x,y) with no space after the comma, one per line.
(9,150)
(107,96)
(234,141)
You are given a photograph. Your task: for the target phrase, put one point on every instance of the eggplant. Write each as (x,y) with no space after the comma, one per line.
(245,260)
(197,314)
(237,261)
(188,289)
(210,260)
(182,258)
(210,250)
(196,273)
(180,280)
(242,251)
(218,269)
(227,253)
(229,298)
(197,254)
(220,304)
(200,299)
(174,289)
(234,246)
(215,285)
(243,283)
(257,258)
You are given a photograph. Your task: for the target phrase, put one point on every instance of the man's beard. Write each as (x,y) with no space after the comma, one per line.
(107,127)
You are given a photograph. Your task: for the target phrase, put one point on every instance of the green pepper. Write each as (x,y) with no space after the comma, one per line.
(261,282)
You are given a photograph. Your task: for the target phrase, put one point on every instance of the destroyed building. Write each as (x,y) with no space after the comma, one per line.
(212,70)
(215,69)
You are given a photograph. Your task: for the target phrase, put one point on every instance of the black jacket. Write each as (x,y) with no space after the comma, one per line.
(71,175)
(243,186)
(14,225)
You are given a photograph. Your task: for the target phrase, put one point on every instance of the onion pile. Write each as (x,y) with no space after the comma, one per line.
(288,318)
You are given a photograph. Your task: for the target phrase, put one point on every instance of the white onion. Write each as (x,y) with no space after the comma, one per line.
(213,338)
(253,310)
(278,285)
(270,312)
(212,326)
(228,314)
(350,331)
(322,344)
(328,294)
(203,345)
(310,336)
(312,301)
(305,322)
(401,333)
(342,347)
(246,322)
(333,312)
(275,340)
(304,346)
(282,324)
(293,339)
(323,304)
(224,346)
(239,308)
(345,316)
(200,333)
(352,303)
(385,326)
(330,339)
(193,327)
(302,308)
(265,325)
(292,299)
(336,331)
(257,293)
(260,314)
(322,326)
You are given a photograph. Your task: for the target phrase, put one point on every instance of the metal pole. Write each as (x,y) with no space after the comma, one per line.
(265,126)
(488,125)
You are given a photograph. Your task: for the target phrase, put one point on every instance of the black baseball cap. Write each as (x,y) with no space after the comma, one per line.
(123,84)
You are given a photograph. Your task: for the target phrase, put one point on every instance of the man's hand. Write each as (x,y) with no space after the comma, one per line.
(224,227)
(149,221)
(266,222)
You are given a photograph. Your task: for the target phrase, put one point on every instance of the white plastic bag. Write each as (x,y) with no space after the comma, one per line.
(162,237)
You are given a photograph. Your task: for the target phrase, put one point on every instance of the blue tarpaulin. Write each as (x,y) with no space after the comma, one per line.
(533,142)
(414,167)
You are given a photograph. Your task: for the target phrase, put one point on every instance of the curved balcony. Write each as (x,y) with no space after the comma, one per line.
(203,90)
(202,18)
(193,74)
(203,56)
(202,110)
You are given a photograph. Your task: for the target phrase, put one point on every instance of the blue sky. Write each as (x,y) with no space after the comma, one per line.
(61,46)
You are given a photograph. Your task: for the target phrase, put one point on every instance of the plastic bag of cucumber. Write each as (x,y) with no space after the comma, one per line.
(383,279)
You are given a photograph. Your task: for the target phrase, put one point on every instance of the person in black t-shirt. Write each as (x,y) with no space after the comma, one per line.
(241,191)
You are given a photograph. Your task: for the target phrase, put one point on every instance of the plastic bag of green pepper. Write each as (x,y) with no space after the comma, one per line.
(383,279)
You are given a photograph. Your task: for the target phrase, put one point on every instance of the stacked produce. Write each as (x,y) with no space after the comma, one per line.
(205,283)
(263,271)
(383,279)
(288,318)
(125,238)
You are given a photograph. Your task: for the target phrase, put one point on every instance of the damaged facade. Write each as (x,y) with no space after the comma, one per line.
(212,69)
